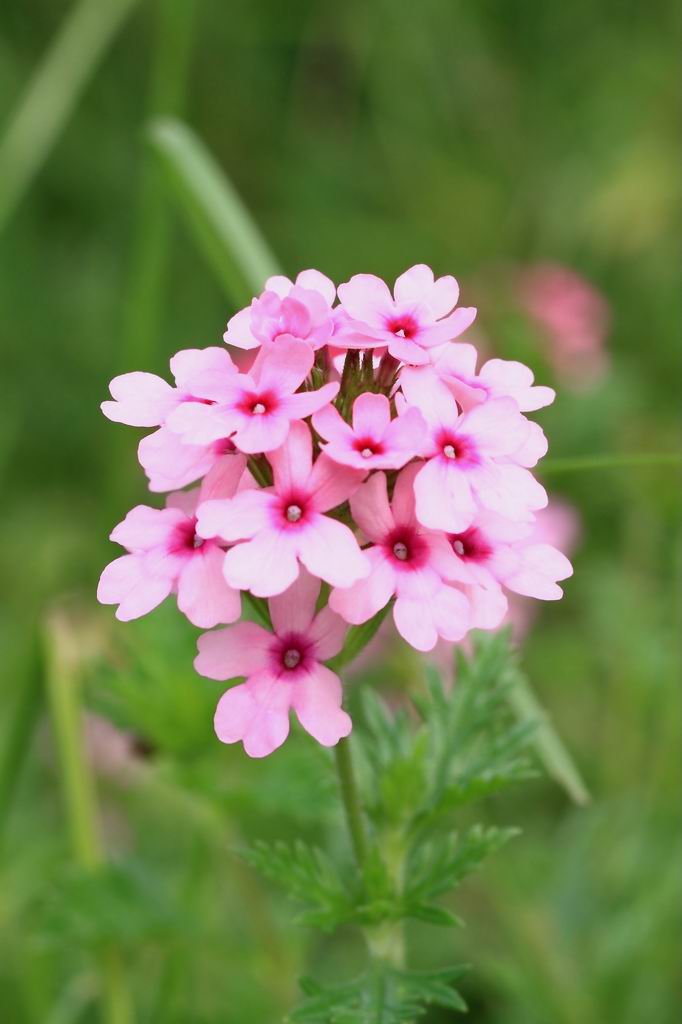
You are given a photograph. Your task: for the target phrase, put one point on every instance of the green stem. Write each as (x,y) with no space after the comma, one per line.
(62,671)
(167,91)
(351,800)
(17,739)
(570,465)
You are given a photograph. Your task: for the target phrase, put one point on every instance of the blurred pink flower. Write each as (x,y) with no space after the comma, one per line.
(574,316)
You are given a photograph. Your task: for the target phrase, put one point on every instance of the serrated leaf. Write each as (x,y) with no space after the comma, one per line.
(309,877)
(437,867)
(383,996)
(433,915)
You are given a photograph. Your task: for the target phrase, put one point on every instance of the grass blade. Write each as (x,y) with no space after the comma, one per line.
(213,210)
(548,744)
(52,94)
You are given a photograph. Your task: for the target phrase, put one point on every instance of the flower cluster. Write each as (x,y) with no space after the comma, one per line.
(363,449)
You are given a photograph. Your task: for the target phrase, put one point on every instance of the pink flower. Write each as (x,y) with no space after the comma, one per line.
(497,378)
(170,463)
(407,561)
(475,459)
(165,556)
(574,316)
(497,553)
(418,316)
(374,441)
(558,526)
(285,524)
(302,310)
(254,409)
(284,670)
(145,400)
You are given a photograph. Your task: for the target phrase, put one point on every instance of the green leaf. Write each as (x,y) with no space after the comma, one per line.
(383,996)
(433,915)
(53,93)
(309,877)
(357,639)
(213,210)
(437,867)
(550,748)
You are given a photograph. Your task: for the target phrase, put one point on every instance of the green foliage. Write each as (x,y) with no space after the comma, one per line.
(118,903)
(390,996)
(438,866)
(419,764)
(309,877)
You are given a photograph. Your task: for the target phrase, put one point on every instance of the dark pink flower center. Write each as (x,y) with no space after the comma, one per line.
(367,447)
(404,326)
(456,448)
(225,446)
(293,509)
(259,404)
(291,652)
(470,546)
(184,538)
(406,548)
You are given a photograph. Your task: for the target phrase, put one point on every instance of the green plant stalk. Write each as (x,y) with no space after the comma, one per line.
(385,941)
(53,93)
(17,738)
(220,222)
(351,800)
(61,648)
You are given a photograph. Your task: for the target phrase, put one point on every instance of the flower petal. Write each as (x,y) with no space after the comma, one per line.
(203,595)
(294,610)
(256,712)
(140,400)
(235,518)
(357,604)
(124,582)
(266,565)
(366,298)
(330,484)
(291,464)
(329,550)
(371,510)
(316,699)
(239,650)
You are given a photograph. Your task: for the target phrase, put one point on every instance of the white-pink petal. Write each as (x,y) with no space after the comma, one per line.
(329,550)
(140,400)
(203,595)
(239,650)
(125,582)
(316,699)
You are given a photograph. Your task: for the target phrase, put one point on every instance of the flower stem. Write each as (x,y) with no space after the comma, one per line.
(63,640)
(351,800)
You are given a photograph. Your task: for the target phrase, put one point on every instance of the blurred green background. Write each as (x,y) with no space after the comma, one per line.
(482,138)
